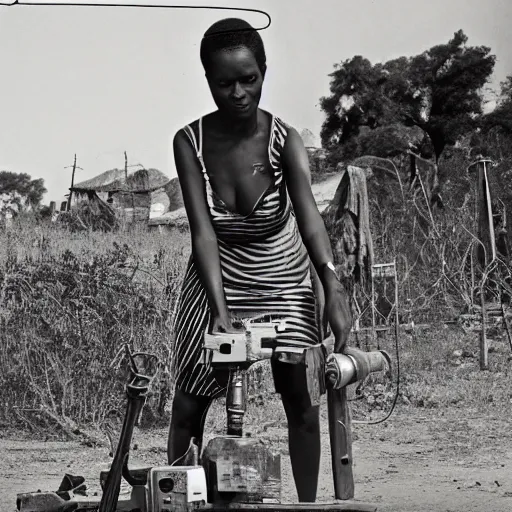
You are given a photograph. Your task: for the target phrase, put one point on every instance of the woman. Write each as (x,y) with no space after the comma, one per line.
(255,231)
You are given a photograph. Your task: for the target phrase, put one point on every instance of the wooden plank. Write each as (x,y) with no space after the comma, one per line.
(340,433)
(271,507)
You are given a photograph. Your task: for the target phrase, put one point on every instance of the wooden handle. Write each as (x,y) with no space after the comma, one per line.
(112,486)
(340,433)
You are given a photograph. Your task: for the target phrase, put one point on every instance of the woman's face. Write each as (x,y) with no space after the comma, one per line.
(235,81)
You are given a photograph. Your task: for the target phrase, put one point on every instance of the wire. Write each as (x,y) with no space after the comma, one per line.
(151,6)
(397,349)
(397,393)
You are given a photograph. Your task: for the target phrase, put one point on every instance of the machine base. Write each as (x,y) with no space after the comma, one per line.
(345,506)
(241,470)
(50,502)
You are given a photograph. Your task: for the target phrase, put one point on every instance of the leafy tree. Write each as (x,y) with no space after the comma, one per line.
(426,102)
(501,116)
(19,191)
(493,137)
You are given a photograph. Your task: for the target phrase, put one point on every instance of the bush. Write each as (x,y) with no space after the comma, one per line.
(68,304)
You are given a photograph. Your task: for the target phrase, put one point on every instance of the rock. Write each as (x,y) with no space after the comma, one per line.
(457,353)
(456,362)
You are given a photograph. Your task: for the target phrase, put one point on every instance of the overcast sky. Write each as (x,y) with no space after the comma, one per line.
(101,80)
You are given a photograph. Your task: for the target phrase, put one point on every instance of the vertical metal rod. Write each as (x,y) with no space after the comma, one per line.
(236,402)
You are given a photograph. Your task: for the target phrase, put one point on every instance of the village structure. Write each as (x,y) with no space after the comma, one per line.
(117,195)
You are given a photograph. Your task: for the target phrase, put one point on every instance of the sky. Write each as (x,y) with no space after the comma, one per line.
(98,81)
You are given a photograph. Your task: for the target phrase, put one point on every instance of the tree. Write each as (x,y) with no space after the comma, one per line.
(501,116)
(493,137)
(426,102)
(18,191)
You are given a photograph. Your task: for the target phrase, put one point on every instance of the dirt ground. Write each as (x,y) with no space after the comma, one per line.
(417,461)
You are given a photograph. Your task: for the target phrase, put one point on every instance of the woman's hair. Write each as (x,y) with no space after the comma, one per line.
(231,33)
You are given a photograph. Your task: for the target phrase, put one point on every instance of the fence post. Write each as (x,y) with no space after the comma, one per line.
(484,363)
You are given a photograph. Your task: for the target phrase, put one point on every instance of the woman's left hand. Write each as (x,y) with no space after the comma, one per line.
(337,310)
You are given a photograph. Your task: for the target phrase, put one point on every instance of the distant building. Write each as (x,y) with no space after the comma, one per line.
(140,196)
(309,139)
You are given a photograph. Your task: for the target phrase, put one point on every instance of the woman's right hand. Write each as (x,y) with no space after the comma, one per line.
(226,324)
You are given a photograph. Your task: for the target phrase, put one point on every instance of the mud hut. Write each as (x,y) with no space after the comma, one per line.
(135,196)
(174,214)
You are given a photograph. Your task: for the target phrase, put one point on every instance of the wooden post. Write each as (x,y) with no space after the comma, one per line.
(126,181)
(483,215)
(340,433)
(508,328)
(486,249)
(484,363)
(374,332)
(68,206)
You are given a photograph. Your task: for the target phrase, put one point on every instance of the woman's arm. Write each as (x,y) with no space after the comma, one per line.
(204,240)
(314,234)
(311,225)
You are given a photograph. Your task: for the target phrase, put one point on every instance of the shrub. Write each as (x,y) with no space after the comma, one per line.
(68,304)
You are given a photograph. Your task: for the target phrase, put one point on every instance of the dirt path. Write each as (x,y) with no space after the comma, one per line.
(413,463)
(324,190)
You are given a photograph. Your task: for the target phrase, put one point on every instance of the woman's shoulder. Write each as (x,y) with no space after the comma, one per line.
(190,131)
(278,120)
(190,125)
(282,129)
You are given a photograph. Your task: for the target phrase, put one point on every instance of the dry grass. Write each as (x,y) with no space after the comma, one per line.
(69,301)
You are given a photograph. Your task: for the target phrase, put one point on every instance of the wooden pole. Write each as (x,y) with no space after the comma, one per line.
(74,167)
(126,181)
(488,200)
(485,227)
(484,362)
(340,433)
(374,332)
(485,251)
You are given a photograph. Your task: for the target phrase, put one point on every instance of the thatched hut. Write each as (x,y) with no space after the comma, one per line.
(136,196)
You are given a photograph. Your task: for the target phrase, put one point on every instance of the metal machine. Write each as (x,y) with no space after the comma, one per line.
(234,472)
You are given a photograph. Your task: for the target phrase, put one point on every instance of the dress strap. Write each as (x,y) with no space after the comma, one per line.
(200,150)
(197,144)
(276,145)
(192,137)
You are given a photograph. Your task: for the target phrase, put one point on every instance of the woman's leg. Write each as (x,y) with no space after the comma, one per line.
(187,420)
(303,427)
(304,445)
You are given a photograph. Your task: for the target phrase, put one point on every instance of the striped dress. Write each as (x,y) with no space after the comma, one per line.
(265,270)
